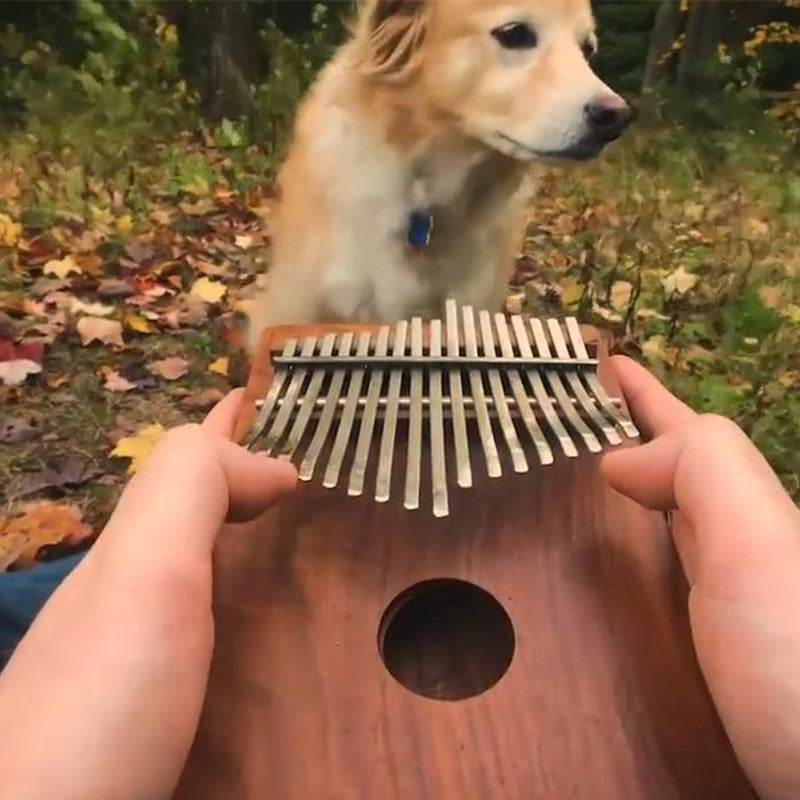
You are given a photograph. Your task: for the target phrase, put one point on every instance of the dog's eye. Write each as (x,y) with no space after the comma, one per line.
(588,50)
(516,36)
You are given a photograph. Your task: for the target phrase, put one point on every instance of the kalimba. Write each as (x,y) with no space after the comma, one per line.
(453,604)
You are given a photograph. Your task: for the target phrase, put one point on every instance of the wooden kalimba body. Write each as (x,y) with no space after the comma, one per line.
(453,605)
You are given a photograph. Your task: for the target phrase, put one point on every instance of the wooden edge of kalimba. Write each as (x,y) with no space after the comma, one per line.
(272,340)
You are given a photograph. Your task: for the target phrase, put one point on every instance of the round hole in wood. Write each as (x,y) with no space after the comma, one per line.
(446,639)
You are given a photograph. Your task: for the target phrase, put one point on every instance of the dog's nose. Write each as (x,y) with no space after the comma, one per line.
(608,116)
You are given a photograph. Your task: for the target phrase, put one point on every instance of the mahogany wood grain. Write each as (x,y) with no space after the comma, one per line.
(603,699)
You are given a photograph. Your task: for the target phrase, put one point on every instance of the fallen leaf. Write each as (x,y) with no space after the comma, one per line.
(514,305)
(45,286)
(208,291)
(61,268)
(679,282)
(114,382)
(198,209)
(138,447)
(220,366)
(9,231)
(124,223)
(58,472)
(18,430)
(653,348)
(92,309)
(189,311)
(138,324)
(13,373)
(170,368)
(789,379)
(771,296)
(203,401)
(107,331)
(36,525)
(621,293)
(112,287)
(244,241)
(138,251)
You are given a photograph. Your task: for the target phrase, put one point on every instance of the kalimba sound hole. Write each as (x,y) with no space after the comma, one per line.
(446,639)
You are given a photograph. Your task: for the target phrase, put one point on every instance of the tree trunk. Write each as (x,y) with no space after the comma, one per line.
(698,61)
(668,24)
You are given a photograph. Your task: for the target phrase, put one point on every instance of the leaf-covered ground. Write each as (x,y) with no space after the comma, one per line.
(122,291)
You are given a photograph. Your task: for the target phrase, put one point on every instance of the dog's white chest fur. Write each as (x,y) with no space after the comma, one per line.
(342,250)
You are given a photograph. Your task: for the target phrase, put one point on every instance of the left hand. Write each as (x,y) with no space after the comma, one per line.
(102,697)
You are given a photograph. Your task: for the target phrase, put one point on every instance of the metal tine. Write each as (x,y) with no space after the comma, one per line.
(289,349)
(595,386)
(560,344)
(359,469)
(479,399)
(348,415)
(564,401)
(463,467)
(326,418)
(540,391)
(436,421)
(543,448)
(383,482)
(499,394)
(414,453)
(309,346)
(309,399)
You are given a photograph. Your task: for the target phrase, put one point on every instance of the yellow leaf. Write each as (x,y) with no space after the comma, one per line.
(61,268)
(621,293)
(125,223)
(9,231)
(220,366)
(244,241)
(572,293)
(792,312)
(679,282)
(208,291)
(138,446)
(138,324)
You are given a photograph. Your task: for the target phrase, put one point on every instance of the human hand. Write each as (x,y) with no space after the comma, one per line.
(102,697)
(737,533)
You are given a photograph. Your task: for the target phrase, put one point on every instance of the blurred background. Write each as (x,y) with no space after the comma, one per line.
(138,144)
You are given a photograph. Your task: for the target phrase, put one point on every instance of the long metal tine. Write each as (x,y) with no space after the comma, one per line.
(414,454)
(463,468)
(334,467)
(359,469)
(278,380)
(543,448)
(560,344)
(479,398)
(309,346)
(309,399)
(326,418)
(540,392)
(498,393)
(595,386)
(436,421)
(560,392)
(383,482)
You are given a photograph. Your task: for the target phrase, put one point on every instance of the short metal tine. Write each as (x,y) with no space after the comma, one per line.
(309,401)
(459,420)
(560,392)
(288,401)
(479,398)
(278,379)
(383,483)
(348,415)
(540,391)
(359,469)
(543,448)
(326,418)
(414,453)
(436,421)
(594,384)
(498,393)
(573,379)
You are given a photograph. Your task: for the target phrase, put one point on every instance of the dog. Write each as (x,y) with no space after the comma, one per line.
(414,155)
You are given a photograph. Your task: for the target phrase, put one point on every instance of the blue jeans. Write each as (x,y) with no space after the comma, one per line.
(22,595)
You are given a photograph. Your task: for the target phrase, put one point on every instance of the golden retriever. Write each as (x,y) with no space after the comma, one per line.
(410,164)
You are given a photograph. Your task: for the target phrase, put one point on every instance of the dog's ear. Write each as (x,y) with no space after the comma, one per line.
(390,36)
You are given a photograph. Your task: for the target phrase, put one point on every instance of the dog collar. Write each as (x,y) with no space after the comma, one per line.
(420,226)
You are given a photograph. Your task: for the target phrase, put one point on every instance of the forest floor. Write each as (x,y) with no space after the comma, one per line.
(121,296)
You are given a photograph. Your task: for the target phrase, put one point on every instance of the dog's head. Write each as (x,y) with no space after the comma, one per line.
(513,74)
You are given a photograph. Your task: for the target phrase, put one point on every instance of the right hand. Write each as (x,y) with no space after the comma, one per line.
(737,533)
